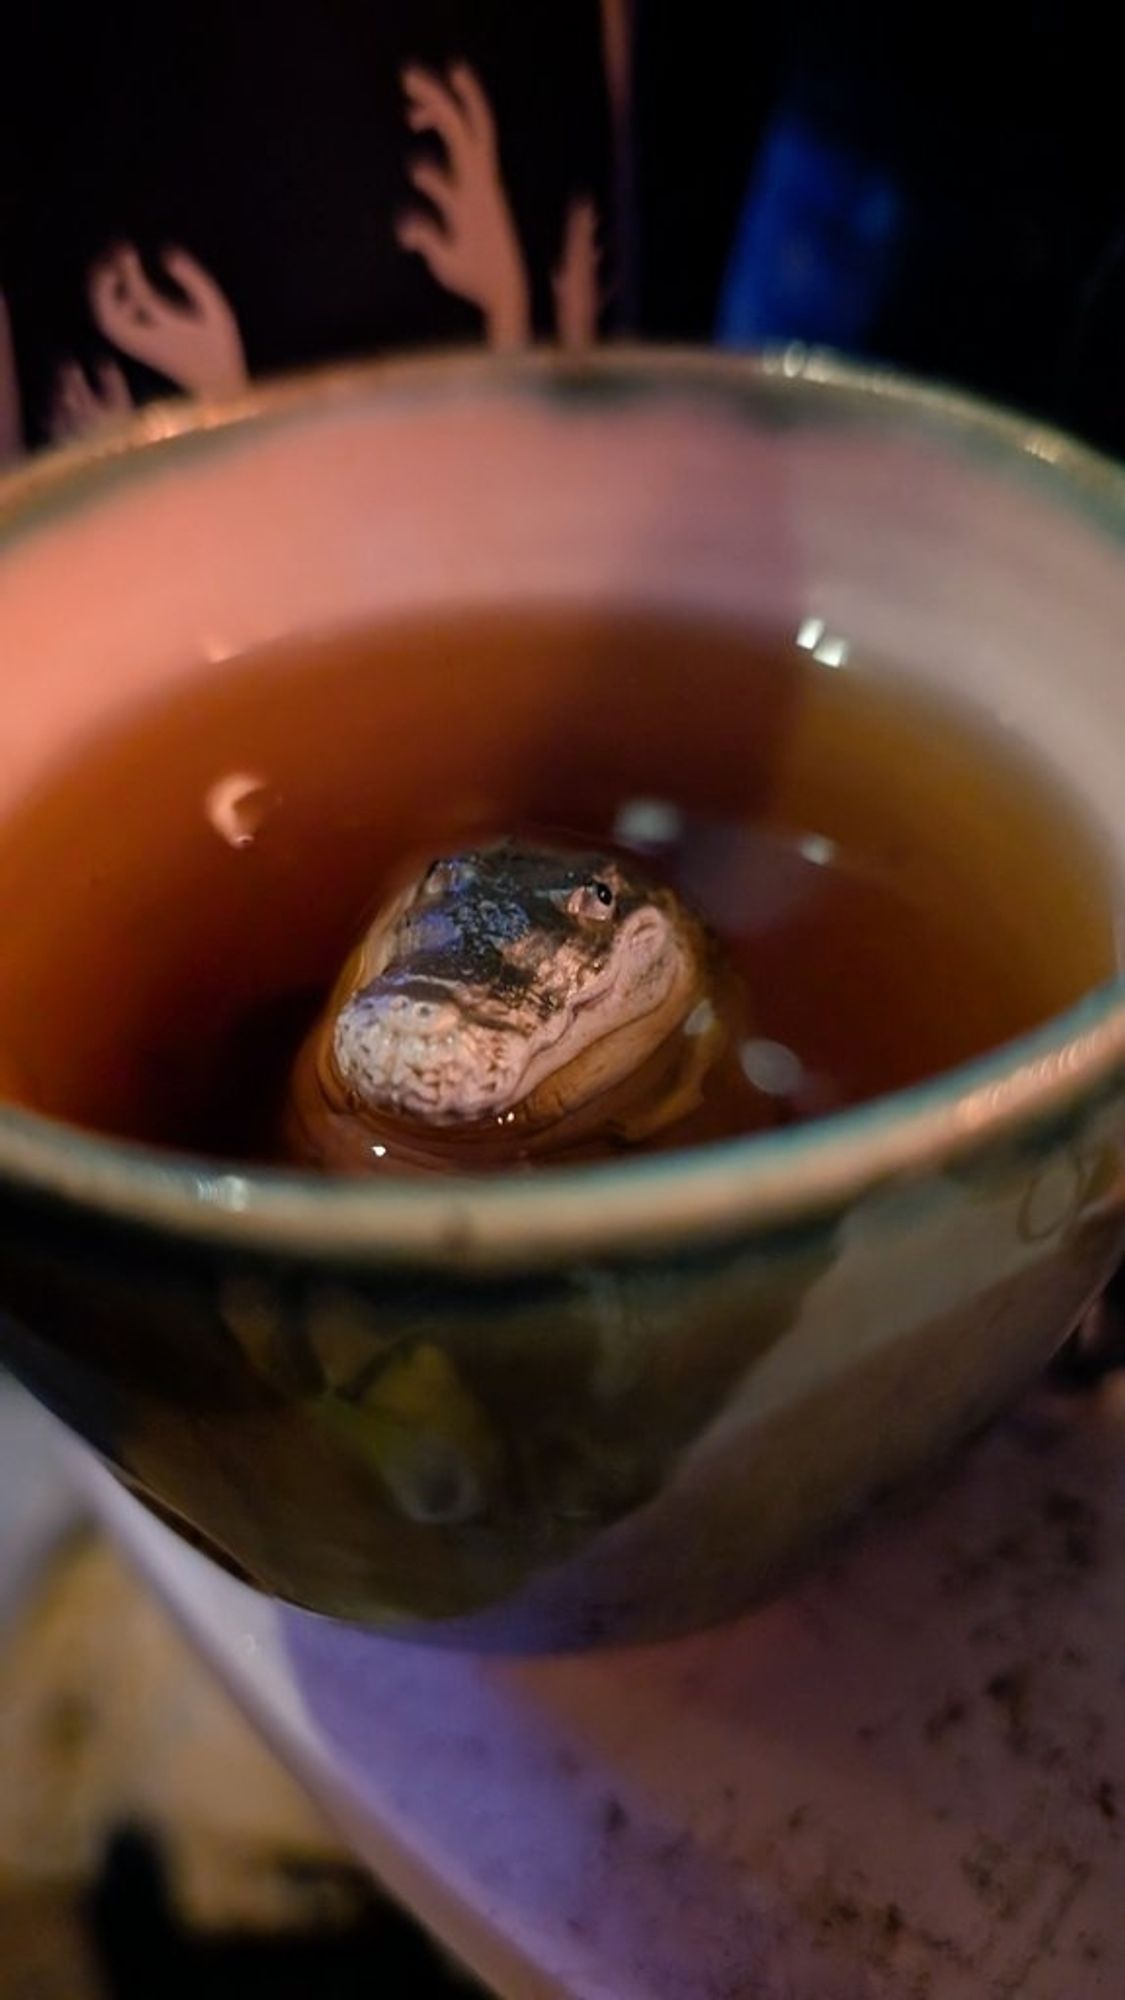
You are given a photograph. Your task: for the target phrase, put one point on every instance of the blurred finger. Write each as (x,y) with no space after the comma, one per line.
(436,184)
(134,288)
(467,86)
(432,108)
(425,238)
(114,388)
(198,287)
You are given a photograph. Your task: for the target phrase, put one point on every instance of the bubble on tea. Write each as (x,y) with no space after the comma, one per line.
(648,823)
(238,806)
(772,1068)
(701,1020)
(814,847)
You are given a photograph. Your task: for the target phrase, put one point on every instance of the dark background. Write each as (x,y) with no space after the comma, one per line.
(944,188)
(997,132)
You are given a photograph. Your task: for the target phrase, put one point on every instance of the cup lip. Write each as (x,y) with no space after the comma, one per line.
(655,1204)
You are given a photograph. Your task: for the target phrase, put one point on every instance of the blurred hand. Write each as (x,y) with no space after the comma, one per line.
(80,403)
(194,342)
(469,244)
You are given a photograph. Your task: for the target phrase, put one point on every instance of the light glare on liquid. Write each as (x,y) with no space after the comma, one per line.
(826,647)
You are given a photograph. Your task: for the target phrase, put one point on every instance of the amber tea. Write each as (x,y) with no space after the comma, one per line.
(887,887)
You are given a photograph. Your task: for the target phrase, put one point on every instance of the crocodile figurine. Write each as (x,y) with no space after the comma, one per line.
(513,1001)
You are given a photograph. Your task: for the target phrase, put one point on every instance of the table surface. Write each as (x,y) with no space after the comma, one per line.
(906,1781)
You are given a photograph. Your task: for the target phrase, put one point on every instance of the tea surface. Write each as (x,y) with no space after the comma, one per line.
(894,886)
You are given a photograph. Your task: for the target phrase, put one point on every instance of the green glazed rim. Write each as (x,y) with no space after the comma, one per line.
(663,1202)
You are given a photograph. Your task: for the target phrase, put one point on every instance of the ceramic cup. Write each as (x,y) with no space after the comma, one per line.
(618,1400)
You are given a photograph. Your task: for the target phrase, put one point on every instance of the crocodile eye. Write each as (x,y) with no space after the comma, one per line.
(592,902)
